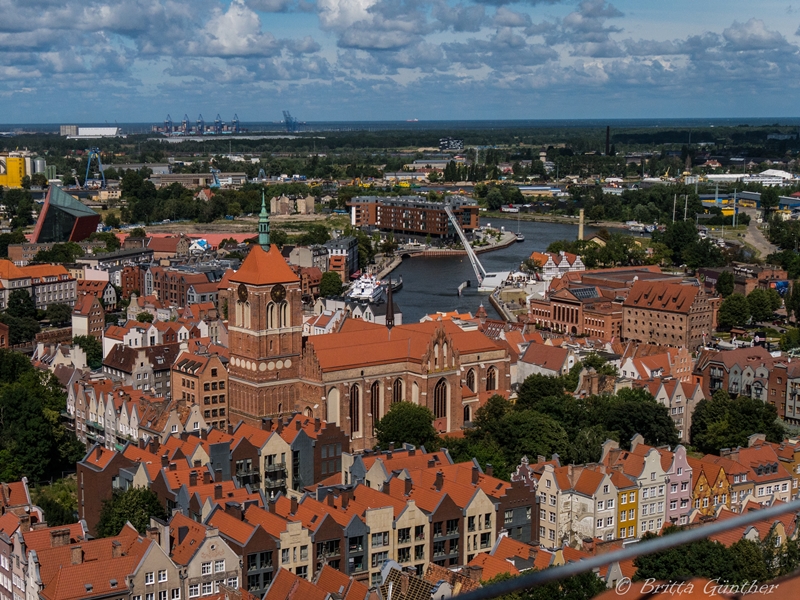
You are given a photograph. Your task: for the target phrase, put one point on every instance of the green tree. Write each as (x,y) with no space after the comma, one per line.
(734,311)
(135,506)
(769,199)
(406,422)
(722,422)
(93,348)
(15,237)
(790,339)
(494,199)
(279,237)
(112,220)
(111,241)
(59,314)
(578,587)
(144,317)
(59,501)
(137,232)
(330,285)
(59,254)
(317,234)
(21,305)
(725,284)
(20,330)
(761,304)
(535,387)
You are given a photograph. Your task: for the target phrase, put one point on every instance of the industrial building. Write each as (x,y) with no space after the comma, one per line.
(64,219)
(75,131)
(413,215)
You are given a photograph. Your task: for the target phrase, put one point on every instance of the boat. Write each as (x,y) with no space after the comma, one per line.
(366,288)
(397,284)
(520,236)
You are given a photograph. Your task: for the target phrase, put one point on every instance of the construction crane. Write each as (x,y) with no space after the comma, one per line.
(201,125)
(94,153)
(289,121)
(218,125)
(185,124)
(216,179)
(168,125)
(235,123)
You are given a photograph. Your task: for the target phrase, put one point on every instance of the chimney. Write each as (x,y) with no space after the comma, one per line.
(581,220)
(230,428)
(431,463)
(588,545)
(76,555)
(164,460)
(389,454)
(154,534)
(154,446)
(346,495)
(58,537)
(489,470)
(266,424)
(196,464)
(193,479)
(271,506)
(317,424)
(173,466)
(116,548)
(297,424)
(279,428)
(235,510)
(439,480)
(218,491)
(293,509)
(206,477)
(540,459)
(409,484)
(412,451)
(203,434)
(25,523)
(330,499)
(142,444)
(217,474)
(391,446)
(476,473)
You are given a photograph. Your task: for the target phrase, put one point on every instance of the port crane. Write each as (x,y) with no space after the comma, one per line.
(94,153)
(218,125)
(235,123)
(289,122)
(201,125)
(185,127)
(168,125)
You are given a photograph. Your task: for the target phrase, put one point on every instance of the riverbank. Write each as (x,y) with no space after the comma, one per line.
(544,218)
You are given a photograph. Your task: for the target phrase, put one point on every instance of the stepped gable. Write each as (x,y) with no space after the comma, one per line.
(263,267)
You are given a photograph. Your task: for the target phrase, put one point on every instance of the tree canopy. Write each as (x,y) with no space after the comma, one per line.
(734,311)
(330,285)
(135,506)
(144,317)
(725,283)
(406,422)
(93,348)
(722,422)
(578,587)
(59,314)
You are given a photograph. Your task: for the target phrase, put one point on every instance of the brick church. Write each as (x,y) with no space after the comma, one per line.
(351,377)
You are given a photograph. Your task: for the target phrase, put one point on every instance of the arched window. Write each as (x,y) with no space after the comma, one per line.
(247,315)
(440,399)
(471,380)
(355,409)
(333,406)
(271,315)
(375,403)
(284,314)
(397,391)
(309,412)
(467,414)
(444,355)
(415,393)
(436,356)
(280,407)
(491,379)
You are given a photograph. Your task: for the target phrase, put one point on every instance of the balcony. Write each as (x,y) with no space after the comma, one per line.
(274,483)
(281,466)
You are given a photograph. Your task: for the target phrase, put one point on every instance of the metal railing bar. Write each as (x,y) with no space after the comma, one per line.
(638,549)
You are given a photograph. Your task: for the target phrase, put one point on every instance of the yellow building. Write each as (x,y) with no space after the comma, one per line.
(627,503)
(710,487)
(12,170)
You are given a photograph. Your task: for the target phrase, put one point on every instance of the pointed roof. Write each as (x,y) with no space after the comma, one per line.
(264,267)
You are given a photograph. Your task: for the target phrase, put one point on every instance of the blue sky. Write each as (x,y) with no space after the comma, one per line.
(137,60)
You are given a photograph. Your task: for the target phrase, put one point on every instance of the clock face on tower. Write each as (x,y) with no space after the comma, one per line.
(278,293)
(242,291)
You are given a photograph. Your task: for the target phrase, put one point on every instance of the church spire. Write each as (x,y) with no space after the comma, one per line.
(389,306)
(263,224)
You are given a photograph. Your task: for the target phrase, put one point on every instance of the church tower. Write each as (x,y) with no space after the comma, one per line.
(265,326)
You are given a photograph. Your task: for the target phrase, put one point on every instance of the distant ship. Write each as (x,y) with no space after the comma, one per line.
(412,120)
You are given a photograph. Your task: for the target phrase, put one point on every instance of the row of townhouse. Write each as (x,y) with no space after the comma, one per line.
(136,334)
(46,284)
(755,373)
(406,505)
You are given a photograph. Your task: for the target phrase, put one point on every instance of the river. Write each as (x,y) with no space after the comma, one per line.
(431,284)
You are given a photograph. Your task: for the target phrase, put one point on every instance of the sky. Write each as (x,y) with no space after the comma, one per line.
(92,61)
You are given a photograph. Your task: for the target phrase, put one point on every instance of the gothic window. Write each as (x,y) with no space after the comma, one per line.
(440,399)
(247,315)
(436,356)
(284,308)
(471,380)
(271,316)
(466,414)
(397,390)
(375,403)
(355,409)
(491,379)
(444,354)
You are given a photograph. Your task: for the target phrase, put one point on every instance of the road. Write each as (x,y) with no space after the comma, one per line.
(755,237)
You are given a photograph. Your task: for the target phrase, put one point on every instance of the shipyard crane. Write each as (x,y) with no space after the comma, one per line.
(185,124)
(235,123)
(218,125)
(168,125)
(261,175)
(94,153)
(214,173)
(201,125)
(289,121)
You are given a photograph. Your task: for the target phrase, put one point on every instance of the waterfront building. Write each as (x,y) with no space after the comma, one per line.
(555,264)
(413,215)
(64,219)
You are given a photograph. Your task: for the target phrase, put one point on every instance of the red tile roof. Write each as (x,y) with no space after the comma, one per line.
(491,566)
(264,268)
